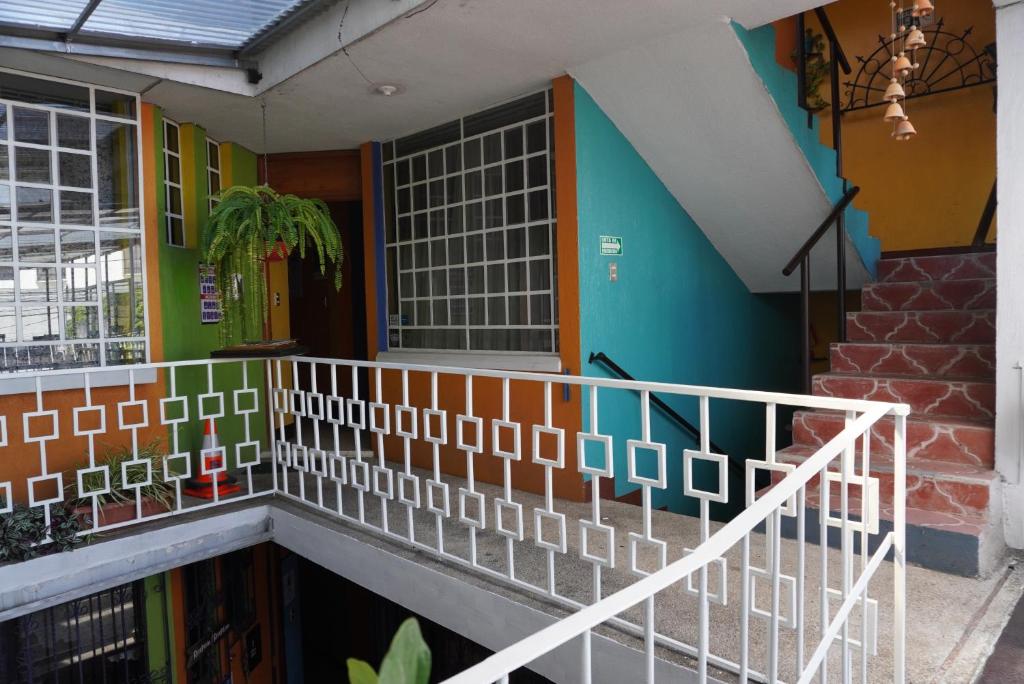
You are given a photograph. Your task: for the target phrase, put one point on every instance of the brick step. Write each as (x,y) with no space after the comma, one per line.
(948,327)
(957,399)
(953,441)
(930,295)
(931,360)
(951,488)
(945,267)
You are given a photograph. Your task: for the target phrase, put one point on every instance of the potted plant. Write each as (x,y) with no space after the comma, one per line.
(118,505)
(250,225)
(817,68)
(23,532)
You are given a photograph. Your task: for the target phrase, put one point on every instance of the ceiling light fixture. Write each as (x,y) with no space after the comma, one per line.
(386,89)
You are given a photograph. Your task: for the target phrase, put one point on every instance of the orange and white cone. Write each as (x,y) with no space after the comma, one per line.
(202,484)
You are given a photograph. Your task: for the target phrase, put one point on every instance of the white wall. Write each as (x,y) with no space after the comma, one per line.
(1010,307)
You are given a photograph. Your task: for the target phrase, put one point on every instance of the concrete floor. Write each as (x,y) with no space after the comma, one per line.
(953,622)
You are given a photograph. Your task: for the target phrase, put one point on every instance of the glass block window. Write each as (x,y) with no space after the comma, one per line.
(212,171)
(174,214)
(470,233)
(71,259)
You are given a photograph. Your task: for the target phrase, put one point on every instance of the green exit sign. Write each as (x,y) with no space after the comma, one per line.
(611,245)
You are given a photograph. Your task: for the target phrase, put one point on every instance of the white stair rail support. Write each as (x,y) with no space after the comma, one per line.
(519,655)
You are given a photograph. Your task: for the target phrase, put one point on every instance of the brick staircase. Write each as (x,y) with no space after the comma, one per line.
(925,337)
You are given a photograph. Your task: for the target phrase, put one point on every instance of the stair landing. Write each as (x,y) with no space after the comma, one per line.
(925,337)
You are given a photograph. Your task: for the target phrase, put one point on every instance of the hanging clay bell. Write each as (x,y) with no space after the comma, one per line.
(915,39)
(902,67)
(923,8)
(894,92)
(894,112)
(904,130)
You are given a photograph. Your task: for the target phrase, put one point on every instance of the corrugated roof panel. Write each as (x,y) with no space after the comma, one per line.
(199,22)
(51,14)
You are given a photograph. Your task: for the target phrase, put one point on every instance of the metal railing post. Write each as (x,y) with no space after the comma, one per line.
(899,558)
(805,322)
(841,274)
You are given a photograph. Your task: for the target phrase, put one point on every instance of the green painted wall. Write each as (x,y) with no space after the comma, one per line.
(184,336)
(159,635)
(678,312)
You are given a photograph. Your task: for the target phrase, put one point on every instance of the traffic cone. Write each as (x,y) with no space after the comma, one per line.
(202,484)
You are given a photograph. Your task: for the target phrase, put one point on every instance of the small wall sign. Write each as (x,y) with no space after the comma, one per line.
(611,245)
(209,297)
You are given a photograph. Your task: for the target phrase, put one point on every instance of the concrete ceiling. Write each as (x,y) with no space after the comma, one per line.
(450,57)
(652,65)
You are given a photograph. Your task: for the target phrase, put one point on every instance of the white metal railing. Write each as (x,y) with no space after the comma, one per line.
(405,413)
(365,443)
(92,441)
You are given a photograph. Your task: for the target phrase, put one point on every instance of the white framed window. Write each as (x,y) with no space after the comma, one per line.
(470,233)
(174,213)
(72,285)
(213,185)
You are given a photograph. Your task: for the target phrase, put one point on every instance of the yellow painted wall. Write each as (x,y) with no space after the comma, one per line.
(928,192)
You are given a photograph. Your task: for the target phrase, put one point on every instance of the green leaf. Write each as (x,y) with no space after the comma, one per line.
(360,672)
(408,659)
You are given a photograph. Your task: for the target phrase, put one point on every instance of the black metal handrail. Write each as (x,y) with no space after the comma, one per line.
(803,259)
(988,214)
(688,427)
(833,215)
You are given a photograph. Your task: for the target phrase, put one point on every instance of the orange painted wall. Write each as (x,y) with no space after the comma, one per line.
(928,192)
(526,398)
(21,460)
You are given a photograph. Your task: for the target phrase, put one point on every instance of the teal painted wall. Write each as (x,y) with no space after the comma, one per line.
(782,86)
(678,312)
(184,336)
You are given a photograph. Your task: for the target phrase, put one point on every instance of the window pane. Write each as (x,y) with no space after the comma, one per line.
(80,284)
(43,92)
(118,176)
(121,269)
(213,155)
(76,208)
(81,322)
(170,137)
(492,148)
(5,202)
(35,204)
(75,170)
(540,277)
(8,321)
(77,246)
(36,244)
(6,285)
(3,122)
(115,104)
(6,244)
(5,163)
(74,132)
(37,284)
(32,165)
(39,323)
(173,169)
(31,126)
(513,143)
(126,352)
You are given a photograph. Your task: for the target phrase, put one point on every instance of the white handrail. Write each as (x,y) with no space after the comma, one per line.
(532,647)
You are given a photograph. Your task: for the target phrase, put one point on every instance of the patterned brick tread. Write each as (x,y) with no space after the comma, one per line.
(949,327)
(944,488)
(934,360)
(956,399)
(930,295)
(953,441)
(951,267)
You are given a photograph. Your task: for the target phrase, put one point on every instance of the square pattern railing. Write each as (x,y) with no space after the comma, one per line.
(465,465)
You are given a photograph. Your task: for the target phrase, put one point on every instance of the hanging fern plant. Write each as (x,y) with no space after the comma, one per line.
(246,227)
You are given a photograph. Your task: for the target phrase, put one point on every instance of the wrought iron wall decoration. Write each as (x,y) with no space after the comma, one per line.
(947,63)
